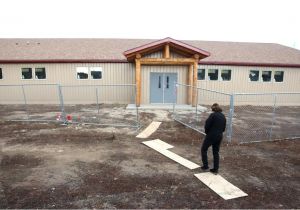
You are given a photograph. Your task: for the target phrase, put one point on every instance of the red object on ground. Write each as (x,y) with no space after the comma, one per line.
(69,117)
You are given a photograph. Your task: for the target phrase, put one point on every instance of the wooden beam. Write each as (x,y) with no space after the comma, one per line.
(169,61)
(166,51)
(194,97)
(138,81)
(190,82)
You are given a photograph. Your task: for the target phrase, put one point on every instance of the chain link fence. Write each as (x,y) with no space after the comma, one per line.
(86,104)
(251,117)
(265,116)
(195,117)
(29,102)
(96,104)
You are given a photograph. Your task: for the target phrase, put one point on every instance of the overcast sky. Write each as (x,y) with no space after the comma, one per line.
(275,21)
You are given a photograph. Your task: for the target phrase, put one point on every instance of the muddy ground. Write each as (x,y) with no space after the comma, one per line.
(50,165)
(251,123)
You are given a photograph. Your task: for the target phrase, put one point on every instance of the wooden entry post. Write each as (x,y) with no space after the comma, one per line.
(195,72)
(138,79)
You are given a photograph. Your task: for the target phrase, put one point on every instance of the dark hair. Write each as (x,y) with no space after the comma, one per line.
(216,108)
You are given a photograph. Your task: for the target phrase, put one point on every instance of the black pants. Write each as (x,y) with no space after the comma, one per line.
(215,142)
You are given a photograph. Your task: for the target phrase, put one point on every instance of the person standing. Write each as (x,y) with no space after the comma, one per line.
(214,127)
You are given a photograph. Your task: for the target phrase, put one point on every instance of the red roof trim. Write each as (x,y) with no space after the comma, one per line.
(229,63)
(166,40)
(125,61)
(67,61)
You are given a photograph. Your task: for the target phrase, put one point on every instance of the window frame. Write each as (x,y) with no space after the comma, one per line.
(83,72)
(273,78)
(218,72)
(31,73)
(90,72)
(259,73)
(35,73)
(221,79)
(204,74)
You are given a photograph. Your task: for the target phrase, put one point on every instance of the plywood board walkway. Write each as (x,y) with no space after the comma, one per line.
(162,147)
(220,185)
(149,130)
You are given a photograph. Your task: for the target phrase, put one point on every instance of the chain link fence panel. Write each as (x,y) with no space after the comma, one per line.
(28,102)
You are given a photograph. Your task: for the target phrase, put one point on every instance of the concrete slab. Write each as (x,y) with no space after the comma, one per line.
(166,107)
(161,147)
(149,130)
(220,185)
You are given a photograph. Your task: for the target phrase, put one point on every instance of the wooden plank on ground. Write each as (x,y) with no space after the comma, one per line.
(149,130)
(220,185)
(161,147)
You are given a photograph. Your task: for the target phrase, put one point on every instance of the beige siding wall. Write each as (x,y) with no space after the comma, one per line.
(157,54)
(240,83)
(181,78)
(124,73)
(65,74)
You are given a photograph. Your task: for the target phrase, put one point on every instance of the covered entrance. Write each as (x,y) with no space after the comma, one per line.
(162,89)
(165,52)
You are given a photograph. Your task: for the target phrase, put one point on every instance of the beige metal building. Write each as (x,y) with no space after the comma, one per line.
(152,67)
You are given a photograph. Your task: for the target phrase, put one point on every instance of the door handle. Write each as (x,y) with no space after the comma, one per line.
(167,86)
(159,82)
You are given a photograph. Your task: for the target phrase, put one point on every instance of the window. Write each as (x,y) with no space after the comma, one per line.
(82,72)
(26,73)
(1,76)
(40,73)
(226,75)
(278,76)
(213,74)
(254,75)
(96,72)
(266,76)
(201,74)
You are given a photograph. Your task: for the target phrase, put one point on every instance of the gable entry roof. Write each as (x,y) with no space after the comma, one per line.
(111,50)
(182,47)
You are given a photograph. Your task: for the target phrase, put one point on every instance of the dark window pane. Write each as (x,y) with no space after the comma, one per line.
(213,74)
(201,74)
(40,73)
(226,75)
(254,75)
(26,73)
(266,76)
(278,76)
(1,77)
(96,74)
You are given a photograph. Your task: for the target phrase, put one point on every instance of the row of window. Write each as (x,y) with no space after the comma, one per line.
(40,73)
(254,75)
(212,74)
(84,72)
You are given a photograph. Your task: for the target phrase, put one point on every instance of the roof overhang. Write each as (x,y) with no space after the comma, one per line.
(175,45)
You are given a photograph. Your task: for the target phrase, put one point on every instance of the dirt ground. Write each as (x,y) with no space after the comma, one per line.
(50,165)
(252,123)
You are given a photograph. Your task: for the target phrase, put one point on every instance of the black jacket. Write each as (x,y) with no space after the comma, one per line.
(215,124)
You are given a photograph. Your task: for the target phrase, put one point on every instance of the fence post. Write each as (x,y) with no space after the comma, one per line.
(175,98)
(273,114)
(196,104)
(25,102)
(61,101)
(97,99)
(230,116)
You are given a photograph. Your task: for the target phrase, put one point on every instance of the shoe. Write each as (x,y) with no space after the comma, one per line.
(204,168)
(214,171)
